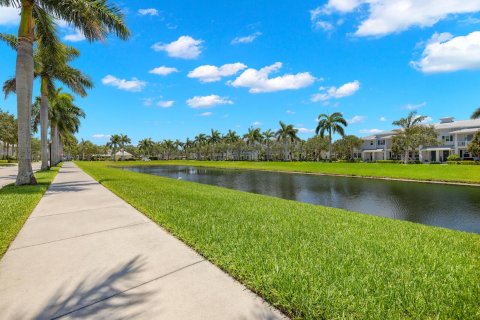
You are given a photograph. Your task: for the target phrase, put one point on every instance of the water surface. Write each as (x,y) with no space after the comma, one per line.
(448,206)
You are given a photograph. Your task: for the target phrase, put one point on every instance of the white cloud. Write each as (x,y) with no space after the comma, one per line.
(343,91)
(165,104)
(393,16)
(9,16)
(208,73)
(413,107)
(133,85)
(148,12)
(258,81)
(206,114)
(247,39)
(256,123)
(101,136)
(305,130)
(290,112)
(383,119)
(371,131)
(445,53)
(206,102)
(357,119)
(184,47)
(74,37)
(163,71)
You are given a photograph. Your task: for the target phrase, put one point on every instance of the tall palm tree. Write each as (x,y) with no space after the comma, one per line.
(146,146)
(64,121)
(94,18)
(50,68)
(114,143)
(476,114)
(333,123)
(124,140)
(287,133)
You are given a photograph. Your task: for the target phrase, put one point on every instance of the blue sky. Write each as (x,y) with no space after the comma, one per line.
(374,61)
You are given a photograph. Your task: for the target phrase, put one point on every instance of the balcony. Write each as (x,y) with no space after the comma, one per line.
(463,143)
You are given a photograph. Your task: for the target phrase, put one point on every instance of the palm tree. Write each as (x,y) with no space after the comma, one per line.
(476,114)
(230,138)
(124,140)
(169,146)
(287,133)
(188,145)
(332,123)
(64,121)
(268,136)
(200,141)
(95,19)
(409,127)
(214,138)
(146,146)
(114,143)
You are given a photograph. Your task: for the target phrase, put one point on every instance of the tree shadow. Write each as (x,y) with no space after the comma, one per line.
(265,312)
(92,297)
(70,186)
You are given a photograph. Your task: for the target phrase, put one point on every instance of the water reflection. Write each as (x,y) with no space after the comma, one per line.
(454,207)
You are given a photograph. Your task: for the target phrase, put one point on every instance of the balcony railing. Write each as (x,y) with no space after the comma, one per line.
(463,143)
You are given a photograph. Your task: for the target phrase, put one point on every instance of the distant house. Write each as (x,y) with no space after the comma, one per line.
(123,155)
(453,137)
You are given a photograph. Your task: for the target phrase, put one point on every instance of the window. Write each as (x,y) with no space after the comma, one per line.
(381,142)
(371,143)
(447,138)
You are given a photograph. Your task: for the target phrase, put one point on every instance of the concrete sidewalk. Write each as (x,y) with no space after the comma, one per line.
(86,254)
(8,174)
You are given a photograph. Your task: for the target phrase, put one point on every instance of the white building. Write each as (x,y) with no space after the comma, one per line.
(453,136)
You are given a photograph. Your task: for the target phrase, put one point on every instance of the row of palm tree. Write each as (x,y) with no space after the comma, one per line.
(281,144)
(41,54)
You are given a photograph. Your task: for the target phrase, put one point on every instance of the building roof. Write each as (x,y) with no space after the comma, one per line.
(470,130)
(460,124)
(470,124)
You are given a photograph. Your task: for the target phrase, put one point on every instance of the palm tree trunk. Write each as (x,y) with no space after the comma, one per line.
(406,156)
(330,147)
(44,106)
(24,87)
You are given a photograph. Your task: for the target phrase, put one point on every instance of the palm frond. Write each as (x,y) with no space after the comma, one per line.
(94,18)
(9,86)
(10,39)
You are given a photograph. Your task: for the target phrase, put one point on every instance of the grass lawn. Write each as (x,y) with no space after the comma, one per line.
(16,204)
(435,172)
(309,261)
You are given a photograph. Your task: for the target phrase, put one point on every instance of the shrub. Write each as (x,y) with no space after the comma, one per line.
(387,161)
(465,162)
(453,157)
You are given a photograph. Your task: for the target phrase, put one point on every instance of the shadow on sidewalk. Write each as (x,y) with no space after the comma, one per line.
(92,295)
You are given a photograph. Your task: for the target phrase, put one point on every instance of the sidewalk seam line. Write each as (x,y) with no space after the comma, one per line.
(132,288)
(76,211)
(79,236)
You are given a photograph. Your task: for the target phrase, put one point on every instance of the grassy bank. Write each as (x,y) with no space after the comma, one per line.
(313,262)
(16,204)
(465,174)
